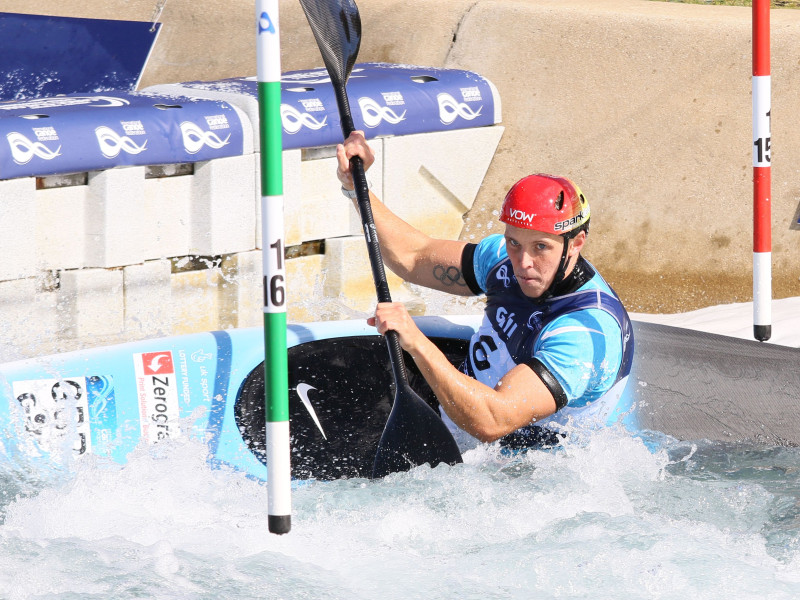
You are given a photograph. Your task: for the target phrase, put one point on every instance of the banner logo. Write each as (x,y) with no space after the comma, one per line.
(58,101)
(157,389)
(373,113)
(155,363)
(293,120)
(56,413)
(23,149)
(194,138)
(302,391)
(111,143)
(450,109)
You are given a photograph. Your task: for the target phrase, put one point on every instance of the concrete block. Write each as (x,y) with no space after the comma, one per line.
(314,208)
(319,287)
(348,276)
(195,301)
(28,318)
(223,211)
(294,220)
(117,230)
(432,179)
(166,209)
(17,224)
(242,300)
(90,302)
(146,291)
(61,227)
(325,212)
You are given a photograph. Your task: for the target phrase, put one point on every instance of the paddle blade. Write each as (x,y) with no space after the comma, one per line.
(414,435)
(336,25)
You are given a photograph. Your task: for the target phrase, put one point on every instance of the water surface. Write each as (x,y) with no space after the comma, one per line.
(611,516)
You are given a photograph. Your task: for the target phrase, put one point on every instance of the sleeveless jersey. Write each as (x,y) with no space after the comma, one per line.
(580,343)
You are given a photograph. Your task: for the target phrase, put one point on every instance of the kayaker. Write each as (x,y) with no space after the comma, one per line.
(555,344)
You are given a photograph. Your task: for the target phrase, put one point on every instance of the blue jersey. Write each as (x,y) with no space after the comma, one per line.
(579,341)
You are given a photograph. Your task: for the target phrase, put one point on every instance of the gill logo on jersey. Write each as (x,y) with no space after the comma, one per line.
(505,321)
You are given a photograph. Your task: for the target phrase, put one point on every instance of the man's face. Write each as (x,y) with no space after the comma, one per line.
(535,256)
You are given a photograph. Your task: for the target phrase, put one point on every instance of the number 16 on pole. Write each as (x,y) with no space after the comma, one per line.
(276,378)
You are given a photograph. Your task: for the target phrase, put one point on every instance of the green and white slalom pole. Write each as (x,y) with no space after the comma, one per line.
(276,378)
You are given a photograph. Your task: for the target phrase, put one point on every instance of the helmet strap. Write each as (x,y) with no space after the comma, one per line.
(560,272)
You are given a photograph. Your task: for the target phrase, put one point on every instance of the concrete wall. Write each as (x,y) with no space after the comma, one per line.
(646,105)
(140,252)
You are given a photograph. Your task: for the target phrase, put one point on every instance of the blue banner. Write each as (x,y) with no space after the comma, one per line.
(46,55)
(385,99)
(76,133)
(199,121)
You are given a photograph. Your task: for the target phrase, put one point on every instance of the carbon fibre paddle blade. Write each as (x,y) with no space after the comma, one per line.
(337,28)
(414,435)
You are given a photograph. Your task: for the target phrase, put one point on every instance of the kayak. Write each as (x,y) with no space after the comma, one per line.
(210,386)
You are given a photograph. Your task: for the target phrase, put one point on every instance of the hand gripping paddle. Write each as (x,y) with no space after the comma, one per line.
(414,433)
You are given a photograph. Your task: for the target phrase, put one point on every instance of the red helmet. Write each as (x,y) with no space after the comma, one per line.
(546,203)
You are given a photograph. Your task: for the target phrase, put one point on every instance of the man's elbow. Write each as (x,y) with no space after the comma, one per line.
(489,432)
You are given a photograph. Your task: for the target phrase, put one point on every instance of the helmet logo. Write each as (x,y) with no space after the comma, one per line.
(520,215)
(567,225)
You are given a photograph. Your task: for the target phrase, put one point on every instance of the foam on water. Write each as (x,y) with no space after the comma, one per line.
(613,516)
(608,516)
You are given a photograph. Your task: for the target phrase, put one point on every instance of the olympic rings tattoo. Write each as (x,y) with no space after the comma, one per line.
(448,275)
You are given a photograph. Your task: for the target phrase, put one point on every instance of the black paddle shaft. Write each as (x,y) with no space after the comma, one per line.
(371,236)
(336,25)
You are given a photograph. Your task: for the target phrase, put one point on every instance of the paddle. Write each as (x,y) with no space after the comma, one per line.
(414,434)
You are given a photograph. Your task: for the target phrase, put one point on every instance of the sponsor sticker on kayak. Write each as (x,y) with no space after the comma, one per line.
(79,408)
(157,389)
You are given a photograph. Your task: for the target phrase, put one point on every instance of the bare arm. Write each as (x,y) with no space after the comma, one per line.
(408,252)
(519,399)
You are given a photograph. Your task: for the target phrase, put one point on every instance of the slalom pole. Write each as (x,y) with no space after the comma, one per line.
(276,378)
(762,177)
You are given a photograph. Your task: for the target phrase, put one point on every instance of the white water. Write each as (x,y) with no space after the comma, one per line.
(613,517)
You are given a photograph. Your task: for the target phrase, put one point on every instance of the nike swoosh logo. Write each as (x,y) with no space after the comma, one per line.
(302,391)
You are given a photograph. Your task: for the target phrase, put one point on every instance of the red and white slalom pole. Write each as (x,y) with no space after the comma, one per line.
(762,178)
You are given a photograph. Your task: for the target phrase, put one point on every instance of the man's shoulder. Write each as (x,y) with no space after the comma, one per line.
(596,282)
(489,252)
(589,311)
(491,243)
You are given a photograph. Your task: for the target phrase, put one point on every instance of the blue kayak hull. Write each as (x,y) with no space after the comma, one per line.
(209,386)
(106,401)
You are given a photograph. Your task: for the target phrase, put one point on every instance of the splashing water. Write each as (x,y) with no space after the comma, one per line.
(611,515)
(614,516)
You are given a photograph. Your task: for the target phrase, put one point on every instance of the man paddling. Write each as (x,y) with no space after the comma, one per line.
(555,345)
